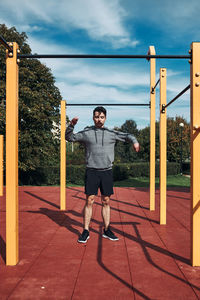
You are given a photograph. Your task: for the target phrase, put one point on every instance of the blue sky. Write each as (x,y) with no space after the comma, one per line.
(110,27)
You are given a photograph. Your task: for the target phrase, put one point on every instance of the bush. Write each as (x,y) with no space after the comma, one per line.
(75,173)
(186,167)
(120,172)
(40,176)
(142,169)
(173,168)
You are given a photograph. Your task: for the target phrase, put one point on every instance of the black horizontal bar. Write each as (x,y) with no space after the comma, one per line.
(5,44)
(153,88)
(106,104)
(180,94)
(20,56)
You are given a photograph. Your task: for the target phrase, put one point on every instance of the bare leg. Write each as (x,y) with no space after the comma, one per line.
(106,210)
(88,211)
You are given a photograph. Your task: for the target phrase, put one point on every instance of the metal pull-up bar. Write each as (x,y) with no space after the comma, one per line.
(107,104)
(175,98)
(148,56)
(153,88)
(21,56)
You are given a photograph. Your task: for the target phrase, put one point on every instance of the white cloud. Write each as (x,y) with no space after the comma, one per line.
(79,71)
(88,82)
(102,20)
(29,28)
(176,85)
(46,46)
(90,93)
(121,78)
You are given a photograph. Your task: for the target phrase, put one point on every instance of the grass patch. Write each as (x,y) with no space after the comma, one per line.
(172,181)
(73,184)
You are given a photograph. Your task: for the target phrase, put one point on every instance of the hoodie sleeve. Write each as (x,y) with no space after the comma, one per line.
(73,137)
(125,137)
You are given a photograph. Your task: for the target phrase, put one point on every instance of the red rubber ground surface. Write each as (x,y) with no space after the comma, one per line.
(148,262)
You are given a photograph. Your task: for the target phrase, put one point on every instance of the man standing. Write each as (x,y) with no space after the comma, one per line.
(99,142)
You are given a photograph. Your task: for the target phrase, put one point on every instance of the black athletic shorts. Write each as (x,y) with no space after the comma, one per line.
(95,179)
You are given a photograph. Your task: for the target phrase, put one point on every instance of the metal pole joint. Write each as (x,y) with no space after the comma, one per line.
(163,109)
(8,46)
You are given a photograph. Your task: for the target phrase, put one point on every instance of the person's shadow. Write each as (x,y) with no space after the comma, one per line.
(3,249)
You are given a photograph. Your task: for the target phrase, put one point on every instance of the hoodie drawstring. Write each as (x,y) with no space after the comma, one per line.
(95,136)
(102,136)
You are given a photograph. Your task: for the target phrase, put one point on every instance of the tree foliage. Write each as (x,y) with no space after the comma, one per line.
(176,133)
(39,101)
(124,151)
(144,140)
(75,153)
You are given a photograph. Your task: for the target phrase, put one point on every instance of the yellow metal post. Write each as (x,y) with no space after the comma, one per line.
(195,153)
(163,147)
(152,126)
(1,165)
(12,235)
(63,157)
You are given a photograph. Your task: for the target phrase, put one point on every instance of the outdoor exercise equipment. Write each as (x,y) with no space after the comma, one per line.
(163,149)
(152,52)
(163,140)
(62,156)
(107,104)
(164,106)
(12,59)
(163,146)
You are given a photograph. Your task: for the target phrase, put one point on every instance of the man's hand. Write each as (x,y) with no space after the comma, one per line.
(74,121)
(136,147)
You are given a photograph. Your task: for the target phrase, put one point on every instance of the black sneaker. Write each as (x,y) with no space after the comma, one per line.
(84,236)
(108,234)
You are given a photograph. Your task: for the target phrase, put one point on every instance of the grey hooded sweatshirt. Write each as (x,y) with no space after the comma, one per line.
(99,144)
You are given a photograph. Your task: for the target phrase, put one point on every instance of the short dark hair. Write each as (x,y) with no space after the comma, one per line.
(100,109)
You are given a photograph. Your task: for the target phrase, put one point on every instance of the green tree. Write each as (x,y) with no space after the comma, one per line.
(124,151)
(75,153)
(173,140)
(174,134)
(39,101)
(130,126)
(144,140)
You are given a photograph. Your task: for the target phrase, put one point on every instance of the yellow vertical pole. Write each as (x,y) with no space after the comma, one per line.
(1,165)
(163,147)
(63,157)
(152,126)
(12,235)
(195,153)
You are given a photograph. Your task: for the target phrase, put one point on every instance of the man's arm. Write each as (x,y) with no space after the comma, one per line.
(126,137)
(136,147)
(70,136)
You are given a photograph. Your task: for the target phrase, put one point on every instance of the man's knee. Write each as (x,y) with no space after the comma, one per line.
(89,200)
(105,200)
